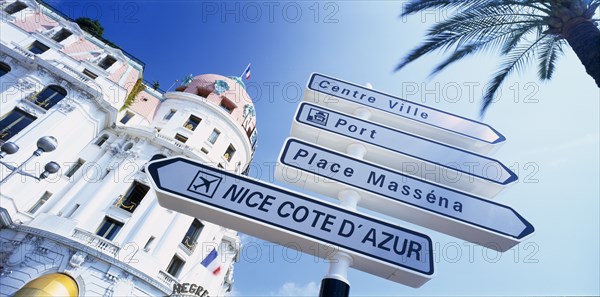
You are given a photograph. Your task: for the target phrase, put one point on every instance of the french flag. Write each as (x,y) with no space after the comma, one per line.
(247,72)
(210,262)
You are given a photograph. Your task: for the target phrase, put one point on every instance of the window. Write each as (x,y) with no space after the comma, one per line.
(204,150)
(38,48)
(181,138)
(191,236)
(4,69)
(175,266)
(192,122)
(227,105)
(107,62)
(149,243)
(62,35)
(132,199)
(49,96)
(109,228)
(169,115)
(12,123)
(229,153)
(128,115)
(220,166)
(102,140)
(75,167)
(40,202)
(214,136)
(90,74)
(203,92)
(15,7)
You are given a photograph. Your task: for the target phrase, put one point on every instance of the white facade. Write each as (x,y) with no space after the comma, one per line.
(98,223)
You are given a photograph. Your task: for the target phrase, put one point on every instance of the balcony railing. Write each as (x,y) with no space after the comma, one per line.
(23,51)
(96,242)
(188,243)
(77,74)
(125,204)
(166,278)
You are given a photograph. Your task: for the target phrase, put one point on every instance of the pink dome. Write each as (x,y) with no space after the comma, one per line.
(229,93)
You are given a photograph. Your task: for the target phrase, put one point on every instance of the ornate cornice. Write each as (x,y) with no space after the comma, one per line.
(85,250)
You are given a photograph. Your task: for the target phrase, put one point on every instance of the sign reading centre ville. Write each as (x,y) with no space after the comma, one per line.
(406,115)
(411,154)
(291,219)
(404,197)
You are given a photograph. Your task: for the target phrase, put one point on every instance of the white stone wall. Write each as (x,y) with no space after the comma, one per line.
(60,235)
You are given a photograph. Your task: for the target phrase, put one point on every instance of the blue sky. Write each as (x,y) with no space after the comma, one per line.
(552,128)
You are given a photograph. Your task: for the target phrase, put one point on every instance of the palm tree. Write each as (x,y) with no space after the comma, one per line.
(91,26)
(520,30)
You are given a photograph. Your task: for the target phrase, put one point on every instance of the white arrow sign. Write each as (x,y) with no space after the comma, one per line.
(406,152)
(402,114)
(408,198)
(291,219)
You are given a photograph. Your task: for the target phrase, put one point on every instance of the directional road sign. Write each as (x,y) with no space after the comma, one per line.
(292,219)
(401,196)
(402,114)
(409,153)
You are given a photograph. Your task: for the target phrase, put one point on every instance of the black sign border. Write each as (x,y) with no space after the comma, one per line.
(529,229)
(152,169)
(513,177)
(500,139)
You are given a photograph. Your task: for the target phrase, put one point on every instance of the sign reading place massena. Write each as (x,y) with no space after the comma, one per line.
(412,154)
(291,219)
(406,115)
(455,213)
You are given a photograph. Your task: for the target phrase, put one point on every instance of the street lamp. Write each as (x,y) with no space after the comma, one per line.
(45,144)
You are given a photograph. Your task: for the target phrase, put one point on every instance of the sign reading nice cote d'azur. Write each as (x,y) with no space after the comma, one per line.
(282,216)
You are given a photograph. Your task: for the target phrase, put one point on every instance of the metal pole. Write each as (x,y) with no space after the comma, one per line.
(335,283)
(18,169)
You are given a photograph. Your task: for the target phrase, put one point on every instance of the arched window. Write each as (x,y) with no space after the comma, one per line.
(49,96)
(4,69)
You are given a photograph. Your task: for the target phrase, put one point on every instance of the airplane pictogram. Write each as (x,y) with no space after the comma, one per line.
(205,184)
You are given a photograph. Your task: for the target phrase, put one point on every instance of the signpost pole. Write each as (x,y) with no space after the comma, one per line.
(335,283)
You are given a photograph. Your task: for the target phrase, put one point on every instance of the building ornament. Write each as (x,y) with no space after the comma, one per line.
(26,106)
(66,105)
(24,84)
(43,72)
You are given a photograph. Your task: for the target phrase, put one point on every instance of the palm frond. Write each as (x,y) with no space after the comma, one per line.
(492,42)
(420,5)
(428,46)
(517,37)
(516,60)
(471,31)
(416,5)
(481,24)
(550,50)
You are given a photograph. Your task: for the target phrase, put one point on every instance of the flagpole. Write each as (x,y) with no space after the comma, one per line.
(172,85)
(244,72)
